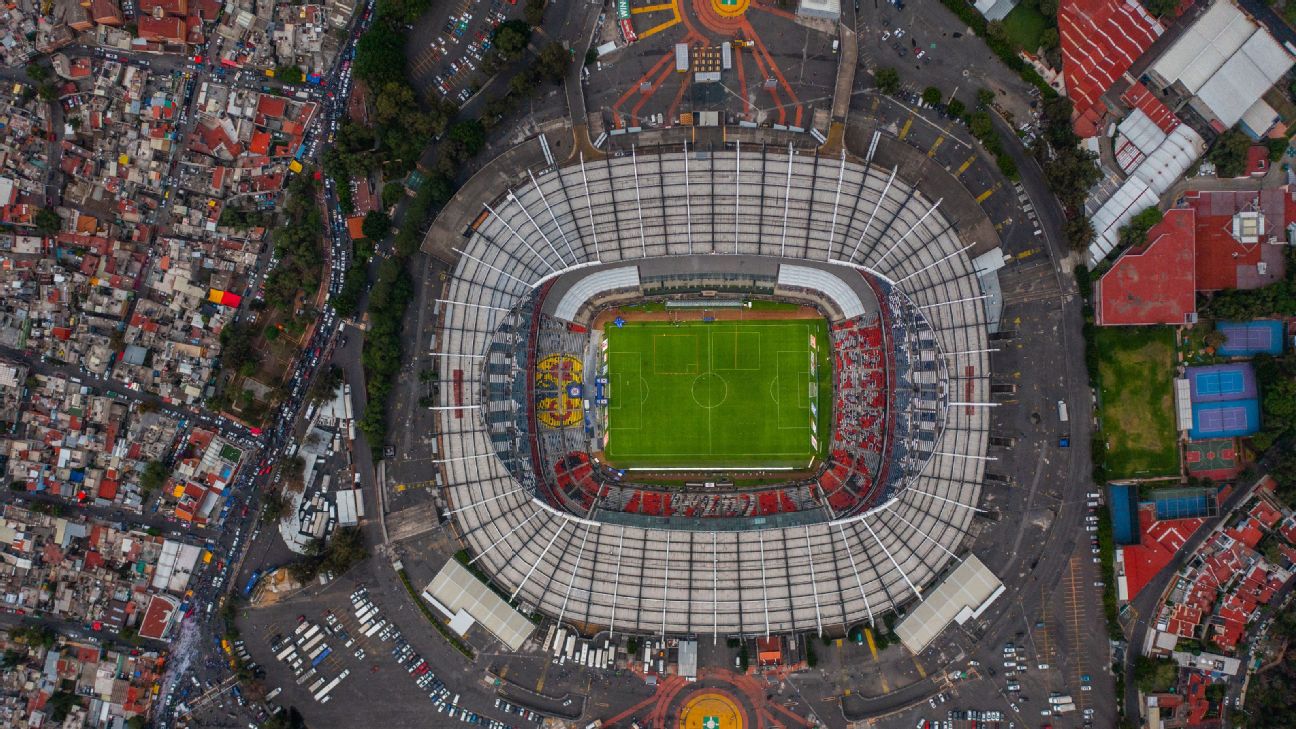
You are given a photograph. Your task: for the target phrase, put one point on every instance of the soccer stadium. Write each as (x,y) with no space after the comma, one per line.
(724,391)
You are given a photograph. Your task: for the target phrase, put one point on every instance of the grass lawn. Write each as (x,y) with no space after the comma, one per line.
(1136,373)
(1024,26)
(716,394)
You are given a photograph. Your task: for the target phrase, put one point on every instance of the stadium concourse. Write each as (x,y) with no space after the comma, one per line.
(878,259)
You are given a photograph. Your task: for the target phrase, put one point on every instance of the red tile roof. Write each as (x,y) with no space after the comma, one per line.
(1140,98)
(157,616)
(1100,39)
(169,29)
(1155,284)
(272,107)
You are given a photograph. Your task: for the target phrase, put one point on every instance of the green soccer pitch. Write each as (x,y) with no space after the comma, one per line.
(716,395)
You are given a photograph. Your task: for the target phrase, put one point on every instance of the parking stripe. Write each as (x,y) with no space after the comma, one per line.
(904,131)
(966,164)
(868,635)
(652,8)
(982,197)
(921,671)
(935,146)
(659,28)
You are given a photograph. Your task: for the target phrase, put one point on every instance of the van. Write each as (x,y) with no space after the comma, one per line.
(1062,411)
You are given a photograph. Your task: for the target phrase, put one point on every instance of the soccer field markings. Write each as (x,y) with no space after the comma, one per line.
(736,331)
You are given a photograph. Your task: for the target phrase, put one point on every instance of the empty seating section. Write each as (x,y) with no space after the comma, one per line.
(764,202)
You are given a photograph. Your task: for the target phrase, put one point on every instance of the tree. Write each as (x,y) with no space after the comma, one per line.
(985,97)
(392,192)
(470,134)
(533,12)
(1049,9)
(1049,38)
(273,507)
(380,56)
(1135,232)
(1161,8)
(154,476)
(553,62)
(1079,232)
(290,74)
(47,221)
(1229,153)
(511,38)
(887,80)
(377,225)
(932,96)
(955,109)
(981,125)
(996,32)
(36,72)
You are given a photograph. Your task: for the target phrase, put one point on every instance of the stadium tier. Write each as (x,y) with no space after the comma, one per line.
(892,491)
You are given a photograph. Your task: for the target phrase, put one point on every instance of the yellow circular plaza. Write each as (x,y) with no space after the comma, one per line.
(711,710)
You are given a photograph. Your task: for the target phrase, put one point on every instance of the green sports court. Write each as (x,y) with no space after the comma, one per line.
(718,394)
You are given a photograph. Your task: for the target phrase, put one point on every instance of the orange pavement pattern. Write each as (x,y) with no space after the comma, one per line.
(710,23)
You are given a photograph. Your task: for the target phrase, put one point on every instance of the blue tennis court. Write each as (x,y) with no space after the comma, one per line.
(1218,383)
(1183,503)
(1225,419)
(1246,339)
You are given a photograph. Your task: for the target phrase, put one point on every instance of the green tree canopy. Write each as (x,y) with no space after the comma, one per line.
(887,80)
(377,225)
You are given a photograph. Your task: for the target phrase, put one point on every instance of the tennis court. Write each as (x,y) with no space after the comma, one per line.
(718,394)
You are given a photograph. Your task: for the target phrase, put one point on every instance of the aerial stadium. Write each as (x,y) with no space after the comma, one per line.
(729,391)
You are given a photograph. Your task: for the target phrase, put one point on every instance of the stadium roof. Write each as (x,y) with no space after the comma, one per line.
(760,576)
(1155,284)
(963,595)
(459,591)
(1100,40)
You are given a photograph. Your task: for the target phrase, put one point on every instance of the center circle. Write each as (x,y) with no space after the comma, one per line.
(709,390)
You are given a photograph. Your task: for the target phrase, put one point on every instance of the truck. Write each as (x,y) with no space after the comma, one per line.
(310,633)
(322,695)
(283,654)
(1060,699)
(559,641)
(366,613)
(302,627)
(1062,411)
(318,650)
(320,658)
(274,692)
(307,646)
(375,628)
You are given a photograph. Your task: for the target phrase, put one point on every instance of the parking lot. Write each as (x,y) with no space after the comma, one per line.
(446,50)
